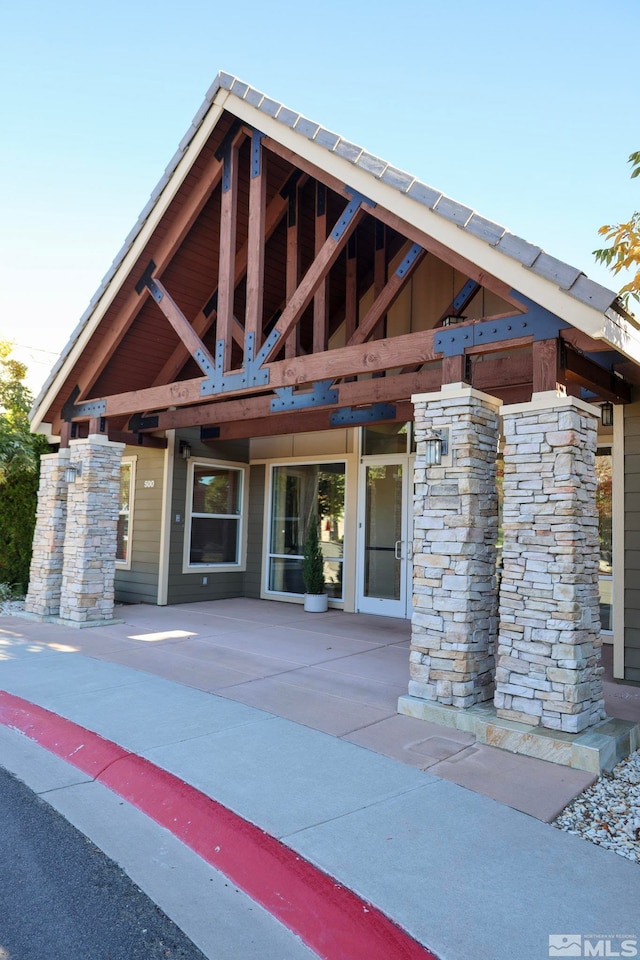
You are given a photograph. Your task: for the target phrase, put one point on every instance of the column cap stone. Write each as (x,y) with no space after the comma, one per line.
(98,439)
(451,391)
(551,400)
(62,454)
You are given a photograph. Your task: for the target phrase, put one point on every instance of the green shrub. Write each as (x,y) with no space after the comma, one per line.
(313,561)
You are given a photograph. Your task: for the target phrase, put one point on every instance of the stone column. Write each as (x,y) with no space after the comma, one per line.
(454,623)
(549,671)
(45,579)
(90,541)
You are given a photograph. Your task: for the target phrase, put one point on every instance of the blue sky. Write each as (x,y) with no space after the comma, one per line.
(524,112)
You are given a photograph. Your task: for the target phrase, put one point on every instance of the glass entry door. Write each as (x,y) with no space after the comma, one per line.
(385,535)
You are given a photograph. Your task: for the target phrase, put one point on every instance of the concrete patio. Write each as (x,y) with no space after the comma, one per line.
(338,673)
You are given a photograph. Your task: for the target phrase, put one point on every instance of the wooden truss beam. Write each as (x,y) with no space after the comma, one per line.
(356,393)
(274,213)
(227,262)
(403,227)
(317,272)
(320,297)
(255,239)
(346,361)
(298,423)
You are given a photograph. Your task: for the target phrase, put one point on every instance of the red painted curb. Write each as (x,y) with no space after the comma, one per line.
(332,920)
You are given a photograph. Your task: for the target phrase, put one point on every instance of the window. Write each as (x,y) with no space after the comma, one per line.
(300,492)
(214,530)
(605,513)
(125,509)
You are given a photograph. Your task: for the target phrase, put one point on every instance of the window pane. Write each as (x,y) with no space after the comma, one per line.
(385,438)
(299,493)
(122,541)
(216,490)
(214,540)
(605,525)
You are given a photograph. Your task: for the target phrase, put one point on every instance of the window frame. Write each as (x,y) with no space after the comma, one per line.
(272,465)
(241,563)
(132,462)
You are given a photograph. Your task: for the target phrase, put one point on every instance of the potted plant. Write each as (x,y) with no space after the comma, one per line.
(315,598)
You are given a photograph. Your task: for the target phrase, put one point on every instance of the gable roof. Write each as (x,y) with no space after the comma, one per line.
(560,287)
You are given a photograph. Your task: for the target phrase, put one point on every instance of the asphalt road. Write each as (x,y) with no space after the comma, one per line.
(61,898)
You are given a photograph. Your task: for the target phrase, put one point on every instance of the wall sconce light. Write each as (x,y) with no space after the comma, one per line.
(436,447)
(185,450)
(72,471)
(606,414)
(452,319)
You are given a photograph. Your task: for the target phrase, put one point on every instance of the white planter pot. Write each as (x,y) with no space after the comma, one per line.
(316,602)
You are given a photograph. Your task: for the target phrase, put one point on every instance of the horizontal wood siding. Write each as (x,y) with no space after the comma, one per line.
(188,587)
(632,542)
(140,583)
(253,574)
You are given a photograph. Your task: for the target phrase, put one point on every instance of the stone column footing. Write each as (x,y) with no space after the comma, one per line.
(77,624)
(596,750)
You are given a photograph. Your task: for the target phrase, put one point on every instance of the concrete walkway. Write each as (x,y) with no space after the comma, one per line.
(268,711)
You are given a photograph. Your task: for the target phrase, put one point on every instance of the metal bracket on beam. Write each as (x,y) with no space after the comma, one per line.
(408,261)
(147,282)
(357,199)
(468,290)
(256,153)
(82,411)
(253,374)
(320,396)
(348,416)
(138,423)
(538,323)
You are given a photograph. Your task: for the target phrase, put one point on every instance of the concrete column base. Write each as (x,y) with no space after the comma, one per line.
(596,750)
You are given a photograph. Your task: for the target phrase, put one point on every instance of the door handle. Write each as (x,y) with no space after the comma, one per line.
(397,552)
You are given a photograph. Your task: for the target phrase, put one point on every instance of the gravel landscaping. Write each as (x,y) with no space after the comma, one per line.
(608,812)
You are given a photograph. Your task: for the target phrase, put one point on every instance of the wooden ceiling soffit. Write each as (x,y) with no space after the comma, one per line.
(404,227)
(162,255)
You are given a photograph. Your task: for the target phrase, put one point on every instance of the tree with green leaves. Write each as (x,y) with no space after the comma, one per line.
(20,452)
(623,253)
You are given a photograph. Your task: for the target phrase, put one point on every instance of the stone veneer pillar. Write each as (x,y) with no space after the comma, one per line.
(549,671)
(454,622)
(90,541)
(45,579)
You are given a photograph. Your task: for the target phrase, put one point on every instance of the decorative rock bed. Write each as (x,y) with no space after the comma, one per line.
(608,812)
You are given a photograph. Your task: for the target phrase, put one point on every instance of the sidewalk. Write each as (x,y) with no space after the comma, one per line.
(227,701)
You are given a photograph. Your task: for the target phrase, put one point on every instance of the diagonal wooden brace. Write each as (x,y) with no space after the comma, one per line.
(177,319)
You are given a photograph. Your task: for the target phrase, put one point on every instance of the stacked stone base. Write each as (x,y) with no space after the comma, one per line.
(74,550)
